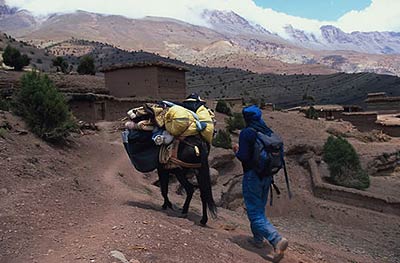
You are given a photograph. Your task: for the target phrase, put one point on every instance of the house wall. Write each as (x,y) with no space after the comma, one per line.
(390,106)
(117,109)
(102,109)
(393,131)
(133,82)
(171,84)
(363,122)
(83,110)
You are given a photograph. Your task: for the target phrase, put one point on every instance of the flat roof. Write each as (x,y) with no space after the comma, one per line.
(376,94)
(159,64)
(389,120)
(324,107)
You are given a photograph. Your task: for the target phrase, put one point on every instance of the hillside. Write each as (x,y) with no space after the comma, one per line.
(289,90)
(283,89)
(228,40)
(79,203)
(40,58)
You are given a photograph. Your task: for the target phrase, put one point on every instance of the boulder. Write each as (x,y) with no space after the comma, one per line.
(214,176)
(220,157)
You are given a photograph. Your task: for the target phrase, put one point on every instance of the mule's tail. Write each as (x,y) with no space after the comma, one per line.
(205,181)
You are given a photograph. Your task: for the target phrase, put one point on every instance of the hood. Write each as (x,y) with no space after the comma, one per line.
(252,113)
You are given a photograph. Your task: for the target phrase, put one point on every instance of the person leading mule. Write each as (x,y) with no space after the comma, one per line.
(255,185)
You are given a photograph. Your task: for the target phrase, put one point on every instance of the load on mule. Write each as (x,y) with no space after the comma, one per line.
(174,139)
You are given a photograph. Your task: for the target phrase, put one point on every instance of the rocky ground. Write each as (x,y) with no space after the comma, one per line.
(85,203)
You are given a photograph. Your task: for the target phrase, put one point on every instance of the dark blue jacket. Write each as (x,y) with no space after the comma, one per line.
(247,138)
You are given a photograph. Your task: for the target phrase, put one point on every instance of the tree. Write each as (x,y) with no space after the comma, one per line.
(86,66)
(13,58)
(222,107)
(344,164)
(236,122)
(222,140)
(61,64)
(43,108)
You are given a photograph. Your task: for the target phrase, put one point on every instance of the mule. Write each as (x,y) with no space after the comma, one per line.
(188,155)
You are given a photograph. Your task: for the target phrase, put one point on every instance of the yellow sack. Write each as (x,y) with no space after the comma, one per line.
(180,121)
(206,116)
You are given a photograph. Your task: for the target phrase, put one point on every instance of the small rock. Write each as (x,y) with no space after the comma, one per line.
(3,191)
(118,255)
(214,176)
(134,261)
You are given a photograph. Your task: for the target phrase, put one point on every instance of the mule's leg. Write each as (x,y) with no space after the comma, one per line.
(189,189)
(204,218)
(163,177)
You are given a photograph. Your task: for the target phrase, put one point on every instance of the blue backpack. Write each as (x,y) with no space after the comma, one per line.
(268,157)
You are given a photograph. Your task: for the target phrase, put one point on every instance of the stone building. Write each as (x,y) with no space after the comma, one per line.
(146,81)
(382,104)
(328,112)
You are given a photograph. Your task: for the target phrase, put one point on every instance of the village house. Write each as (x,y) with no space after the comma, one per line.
(146,81)
(328,112)
(382,104)
(128,86)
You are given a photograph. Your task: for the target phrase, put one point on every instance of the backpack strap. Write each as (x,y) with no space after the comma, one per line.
(286,178)
(272,188)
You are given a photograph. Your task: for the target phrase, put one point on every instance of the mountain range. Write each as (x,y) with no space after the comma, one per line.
(226,40)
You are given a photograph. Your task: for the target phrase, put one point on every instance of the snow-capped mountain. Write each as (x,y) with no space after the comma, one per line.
(227,39)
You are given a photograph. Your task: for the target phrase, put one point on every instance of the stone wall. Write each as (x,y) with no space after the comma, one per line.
(133,82)
(171,84)
(350,196)
(364,121)
(384,106)
(92,108)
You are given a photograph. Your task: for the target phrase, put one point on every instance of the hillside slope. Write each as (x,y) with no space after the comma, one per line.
(79,203)
(229,40)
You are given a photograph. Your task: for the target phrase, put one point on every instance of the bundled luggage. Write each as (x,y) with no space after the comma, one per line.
(153,128)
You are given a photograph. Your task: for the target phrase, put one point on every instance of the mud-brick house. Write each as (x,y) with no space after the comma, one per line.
(382,104)
(157,80)
(328,112)
(129,86)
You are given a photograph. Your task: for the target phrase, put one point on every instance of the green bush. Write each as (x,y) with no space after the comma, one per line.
(236,122)
(223,107)
(344,164)
(43,108)
(4,104)
(13,58)
(222,140)
(61,64)
(311,113)
(86,66)
(3,133)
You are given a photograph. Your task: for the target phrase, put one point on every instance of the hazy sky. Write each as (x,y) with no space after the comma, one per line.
(309,15)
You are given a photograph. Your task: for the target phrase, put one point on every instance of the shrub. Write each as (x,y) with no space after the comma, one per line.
(344,164)
(222,140)
(43,108)
(61,64)
(222,107)
(4,104)
(236,122)
(86,66)
(311,113)
(3,133)
(13,58)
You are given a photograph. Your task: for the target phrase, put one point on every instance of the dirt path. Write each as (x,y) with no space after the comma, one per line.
(116,208)
(102,205)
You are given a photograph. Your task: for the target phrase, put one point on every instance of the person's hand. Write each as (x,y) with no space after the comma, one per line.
(235,148)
